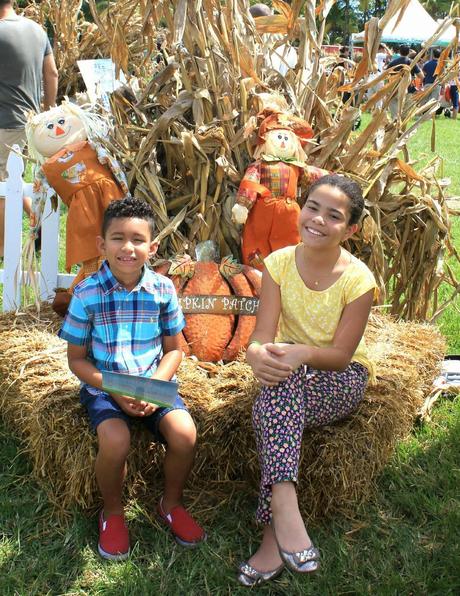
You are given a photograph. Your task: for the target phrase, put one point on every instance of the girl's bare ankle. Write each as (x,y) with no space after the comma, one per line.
(284,497)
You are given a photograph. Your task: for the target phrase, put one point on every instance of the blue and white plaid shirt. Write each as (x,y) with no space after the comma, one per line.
(123,330)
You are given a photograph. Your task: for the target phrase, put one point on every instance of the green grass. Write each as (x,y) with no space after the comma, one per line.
(405,542)
(449,322)
(447,132)
(447,147)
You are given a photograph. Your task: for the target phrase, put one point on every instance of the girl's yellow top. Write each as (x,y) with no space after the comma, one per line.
(310,316)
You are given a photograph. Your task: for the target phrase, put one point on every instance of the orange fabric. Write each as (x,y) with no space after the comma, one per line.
(252,186)
(272,221)
(283,121)
(86,187)
(271,224)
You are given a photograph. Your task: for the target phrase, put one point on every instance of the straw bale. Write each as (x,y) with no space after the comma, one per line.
(39,403)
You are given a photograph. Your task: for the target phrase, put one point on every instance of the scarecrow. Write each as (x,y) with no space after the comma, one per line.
(266,202)
(70,161)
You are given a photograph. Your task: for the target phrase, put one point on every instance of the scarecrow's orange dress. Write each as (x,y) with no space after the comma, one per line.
(87,179)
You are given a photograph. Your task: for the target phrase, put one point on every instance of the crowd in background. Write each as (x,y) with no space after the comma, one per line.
(423,75)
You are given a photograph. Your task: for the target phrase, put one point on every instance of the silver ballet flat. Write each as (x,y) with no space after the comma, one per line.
(304,561)
(248,576)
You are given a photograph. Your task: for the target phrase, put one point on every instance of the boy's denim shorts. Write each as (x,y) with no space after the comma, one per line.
(102,407)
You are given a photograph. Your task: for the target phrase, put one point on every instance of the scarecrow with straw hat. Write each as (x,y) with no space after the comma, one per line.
(266,202)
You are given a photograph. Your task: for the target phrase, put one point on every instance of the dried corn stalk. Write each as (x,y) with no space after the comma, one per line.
(183,139)
(122,31)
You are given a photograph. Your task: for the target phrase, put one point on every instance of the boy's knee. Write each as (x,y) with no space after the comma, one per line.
(183,440)
(114,438)
(179,430)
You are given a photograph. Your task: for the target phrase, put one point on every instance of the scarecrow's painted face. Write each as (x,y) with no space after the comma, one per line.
(56,130)
(281,143)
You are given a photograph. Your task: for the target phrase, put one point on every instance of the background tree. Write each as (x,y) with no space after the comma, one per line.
(439,9)
(343,21)
(370,8)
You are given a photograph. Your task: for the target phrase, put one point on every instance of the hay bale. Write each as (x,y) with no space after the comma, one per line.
(38,399)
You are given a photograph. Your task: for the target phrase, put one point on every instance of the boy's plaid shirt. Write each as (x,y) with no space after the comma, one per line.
(123,330)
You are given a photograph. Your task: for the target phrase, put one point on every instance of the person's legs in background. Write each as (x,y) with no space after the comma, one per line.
(454,100)
(393,107)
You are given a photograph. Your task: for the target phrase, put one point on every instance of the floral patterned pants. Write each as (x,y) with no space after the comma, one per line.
(308,398)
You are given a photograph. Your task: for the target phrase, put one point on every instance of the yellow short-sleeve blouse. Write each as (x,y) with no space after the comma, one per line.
(310,316)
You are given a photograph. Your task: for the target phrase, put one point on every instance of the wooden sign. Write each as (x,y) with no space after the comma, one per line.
(219,305)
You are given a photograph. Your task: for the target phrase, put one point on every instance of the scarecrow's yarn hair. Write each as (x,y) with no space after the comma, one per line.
(95,126)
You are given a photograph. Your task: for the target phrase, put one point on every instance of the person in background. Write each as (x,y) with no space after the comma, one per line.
(397,64)
(417,82)
(429,70)
(282,57)
(344,58)
(345,67)
(26,61)
(260,10)
(394,54)
(453,89)
(381,59)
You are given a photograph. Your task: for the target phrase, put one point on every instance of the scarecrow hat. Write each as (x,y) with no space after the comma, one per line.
(283,121)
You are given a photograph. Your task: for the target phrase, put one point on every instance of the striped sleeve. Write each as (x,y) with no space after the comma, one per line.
(171,316)
(76,328)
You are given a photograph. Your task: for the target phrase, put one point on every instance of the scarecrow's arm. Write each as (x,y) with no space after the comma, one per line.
(311,174)
(40,193)
(250,188)
(108,160)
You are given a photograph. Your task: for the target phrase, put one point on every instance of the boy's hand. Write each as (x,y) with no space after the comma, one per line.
(267,366)
(134,407)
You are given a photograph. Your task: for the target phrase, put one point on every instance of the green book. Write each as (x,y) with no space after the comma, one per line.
(154,391)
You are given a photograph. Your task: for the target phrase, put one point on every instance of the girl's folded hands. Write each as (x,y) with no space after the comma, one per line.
(271,363)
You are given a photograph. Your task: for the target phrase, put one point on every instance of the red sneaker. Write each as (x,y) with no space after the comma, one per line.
(184,528)
(113,537)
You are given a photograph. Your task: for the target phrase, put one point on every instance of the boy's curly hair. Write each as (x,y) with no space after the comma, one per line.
(129,207)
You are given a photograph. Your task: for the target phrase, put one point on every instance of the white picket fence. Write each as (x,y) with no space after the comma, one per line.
(12,276)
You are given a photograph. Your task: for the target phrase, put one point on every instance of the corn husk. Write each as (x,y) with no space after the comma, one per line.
(181,127)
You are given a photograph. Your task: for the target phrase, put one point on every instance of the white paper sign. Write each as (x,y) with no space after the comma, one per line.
(100,80)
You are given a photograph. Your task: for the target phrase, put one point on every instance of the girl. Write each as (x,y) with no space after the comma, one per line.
(315,302)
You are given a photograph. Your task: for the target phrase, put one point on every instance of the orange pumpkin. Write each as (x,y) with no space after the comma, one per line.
(214,297)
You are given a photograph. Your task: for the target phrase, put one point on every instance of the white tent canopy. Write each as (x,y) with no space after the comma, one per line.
(416,26)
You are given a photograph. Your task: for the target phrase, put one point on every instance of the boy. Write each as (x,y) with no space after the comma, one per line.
(126,318)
